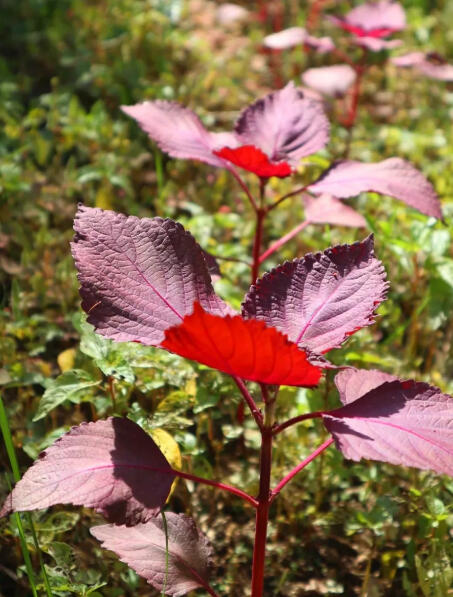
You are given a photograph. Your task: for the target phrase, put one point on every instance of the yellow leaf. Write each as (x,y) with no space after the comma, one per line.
(66,359)
(169,449)
(104,198)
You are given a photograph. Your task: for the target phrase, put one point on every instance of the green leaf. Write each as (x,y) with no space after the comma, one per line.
(67,386)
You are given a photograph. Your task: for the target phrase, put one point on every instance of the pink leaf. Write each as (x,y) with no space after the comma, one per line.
(326,209)
(355,383)
(252,159)
(179,132)
(430,64)
(296,36)
(143,548)
(376,19)
(394,177)
(243,348)
(284,125)
(228,14)
(112,466)
(377,45)
(401,422)
(331,80)
(138,276)
(320,300)
(288,38)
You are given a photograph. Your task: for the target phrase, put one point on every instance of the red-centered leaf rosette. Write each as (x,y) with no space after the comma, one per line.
(112,466)
(247,349)
(252,159)
(402,422)
(373,19)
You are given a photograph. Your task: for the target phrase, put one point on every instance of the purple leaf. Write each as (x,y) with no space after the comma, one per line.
(355,383)
(112,466)
(430,64)
(143,548)
(320,300)
(296,36)
(401,422)
(377,45)
(331,80)
(374,18)
(179,132)
(329,210)
(284,125)
(139,277)
(394,177)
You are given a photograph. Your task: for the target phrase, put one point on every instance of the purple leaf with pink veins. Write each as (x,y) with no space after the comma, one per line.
(401,422)
(143,548)
(326,209)
(394,177)
(320,300)
(179,132)
(355,383)
(112,466)
(284,125)
(139,277)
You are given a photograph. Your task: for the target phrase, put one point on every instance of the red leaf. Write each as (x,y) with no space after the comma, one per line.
(254,160)
(247,349)
(143,548)
(112,466)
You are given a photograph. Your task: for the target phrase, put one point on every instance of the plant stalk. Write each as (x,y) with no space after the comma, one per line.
(262,511)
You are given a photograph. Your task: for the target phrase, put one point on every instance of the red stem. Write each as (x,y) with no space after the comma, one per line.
(248,498)
(257,415)
(262,513)
(314,415)
(284,239)
(260,215)
(244,188)
(299,467)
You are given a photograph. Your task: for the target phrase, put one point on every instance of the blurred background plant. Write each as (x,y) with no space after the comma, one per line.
(66,66)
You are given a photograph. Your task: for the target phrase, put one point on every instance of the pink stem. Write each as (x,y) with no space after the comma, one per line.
(248,498)
(299,467)
(257,415)
(314,415)
(284,239)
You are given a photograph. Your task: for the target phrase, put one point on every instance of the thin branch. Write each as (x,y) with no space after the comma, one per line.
(244,188)
(284,239)
(234,490)
(287,196)
(314,415)
(300,467)
(256,412)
